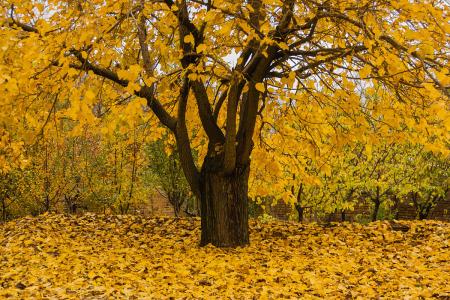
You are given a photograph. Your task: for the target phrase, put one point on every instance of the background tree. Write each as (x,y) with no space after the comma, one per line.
(12,160)
(428,180)
(165,173)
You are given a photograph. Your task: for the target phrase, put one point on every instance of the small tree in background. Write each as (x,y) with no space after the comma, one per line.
(166,176)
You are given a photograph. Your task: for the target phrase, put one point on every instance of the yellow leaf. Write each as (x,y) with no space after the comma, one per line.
(149,80)
(189,39)
(260,87)
(73,72)
(364,72)
(193,76)
(201,48)
(90,95)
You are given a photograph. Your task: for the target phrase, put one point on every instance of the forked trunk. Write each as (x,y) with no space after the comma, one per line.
(224,207)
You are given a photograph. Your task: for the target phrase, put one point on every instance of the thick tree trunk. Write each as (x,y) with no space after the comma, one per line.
(224,207)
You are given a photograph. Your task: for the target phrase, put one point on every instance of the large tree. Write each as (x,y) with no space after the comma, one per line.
(213,70)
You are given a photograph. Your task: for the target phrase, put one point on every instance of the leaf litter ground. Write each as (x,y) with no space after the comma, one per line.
(128,257)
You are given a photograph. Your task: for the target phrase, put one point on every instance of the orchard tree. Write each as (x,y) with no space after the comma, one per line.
(166,176)
(11,153)
(12,160)
(210,70)
(428,179)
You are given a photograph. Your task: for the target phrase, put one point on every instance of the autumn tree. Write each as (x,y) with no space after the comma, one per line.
(166,176)
(428,180)
(224,66)
(12,160)
(59,172)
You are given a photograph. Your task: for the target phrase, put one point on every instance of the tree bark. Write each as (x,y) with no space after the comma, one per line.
(224,205)
(396,201)
(425,209)
(300,211)
(376,208)
(377,203)
(4,213)
(342,215)
(298,206)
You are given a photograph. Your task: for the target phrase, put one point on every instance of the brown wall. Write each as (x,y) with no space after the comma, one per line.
(281,210)
(159,205)
(363,210)
(406,211)
(442,210)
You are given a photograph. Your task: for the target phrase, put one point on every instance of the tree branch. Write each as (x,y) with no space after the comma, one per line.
(206,116)
(186,27)
(142,35)
(182,137)
(219,104)
(144,92)
(88,66)
(230,138)
(23,26)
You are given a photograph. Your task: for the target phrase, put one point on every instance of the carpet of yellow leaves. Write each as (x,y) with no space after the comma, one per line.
(128,257)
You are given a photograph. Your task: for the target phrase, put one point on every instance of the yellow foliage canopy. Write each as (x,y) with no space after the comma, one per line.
(340,69)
